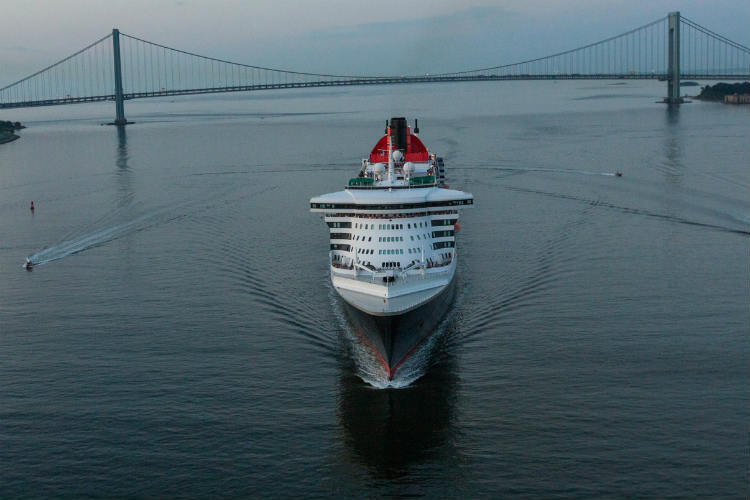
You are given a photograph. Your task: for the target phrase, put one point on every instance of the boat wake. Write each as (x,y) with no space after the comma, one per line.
(370,368)
(498,168)
(97,236)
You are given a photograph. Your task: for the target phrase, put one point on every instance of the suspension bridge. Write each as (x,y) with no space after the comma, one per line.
(119,67)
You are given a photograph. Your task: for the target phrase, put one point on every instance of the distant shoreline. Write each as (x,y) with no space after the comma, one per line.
(720,90)
(7,130)
(8,137)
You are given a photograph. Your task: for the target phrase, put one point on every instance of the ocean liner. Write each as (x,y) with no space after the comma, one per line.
(392,243)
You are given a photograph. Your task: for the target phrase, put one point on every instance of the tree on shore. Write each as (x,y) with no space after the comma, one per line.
(718,91)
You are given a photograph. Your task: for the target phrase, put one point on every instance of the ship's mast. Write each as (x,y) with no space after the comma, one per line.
(390,156)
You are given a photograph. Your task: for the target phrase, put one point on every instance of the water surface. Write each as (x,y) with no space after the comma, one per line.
(182,338)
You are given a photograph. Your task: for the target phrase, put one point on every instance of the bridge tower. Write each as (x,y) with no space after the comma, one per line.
(119,100)
(673,67)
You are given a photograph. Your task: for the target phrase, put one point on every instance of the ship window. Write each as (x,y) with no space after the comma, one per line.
(412,238)
(369,238)
(443,244)
(444,222)
(418,237)
(408,226)
(441,234)
(339,246)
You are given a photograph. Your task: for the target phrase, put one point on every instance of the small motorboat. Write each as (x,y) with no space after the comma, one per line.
(28,265)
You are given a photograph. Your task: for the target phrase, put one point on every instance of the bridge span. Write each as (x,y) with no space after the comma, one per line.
(120,67)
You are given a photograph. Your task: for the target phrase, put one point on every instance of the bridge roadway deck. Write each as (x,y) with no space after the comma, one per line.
(357,81)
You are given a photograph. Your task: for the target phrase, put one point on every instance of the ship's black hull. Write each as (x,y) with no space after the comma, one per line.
(394,338)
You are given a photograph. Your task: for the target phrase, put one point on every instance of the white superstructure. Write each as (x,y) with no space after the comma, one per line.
(392,230)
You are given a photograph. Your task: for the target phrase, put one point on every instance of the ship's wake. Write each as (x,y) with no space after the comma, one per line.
(373,370)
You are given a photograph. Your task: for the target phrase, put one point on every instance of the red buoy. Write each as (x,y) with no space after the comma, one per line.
(32,205)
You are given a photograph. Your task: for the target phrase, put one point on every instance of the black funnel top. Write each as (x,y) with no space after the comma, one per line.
(398,133)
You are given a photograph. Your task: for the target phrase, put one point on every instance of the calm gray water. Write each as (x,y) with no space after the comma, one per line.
(182,339)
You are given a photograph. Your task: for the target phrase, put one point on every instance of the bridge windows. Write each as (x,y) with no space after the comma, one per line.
(399,206)
(341,236)
(442,234)
(444,222)
(341,246)
(443,244)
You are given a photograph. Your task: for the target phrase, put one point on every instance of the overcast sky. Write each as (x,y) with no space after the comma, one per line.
(343,36)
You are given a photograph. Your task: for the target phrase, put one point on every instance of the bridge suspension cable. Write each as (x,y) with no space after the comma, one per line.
(151,69)
(611,56)
(80,77)
(704,52)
